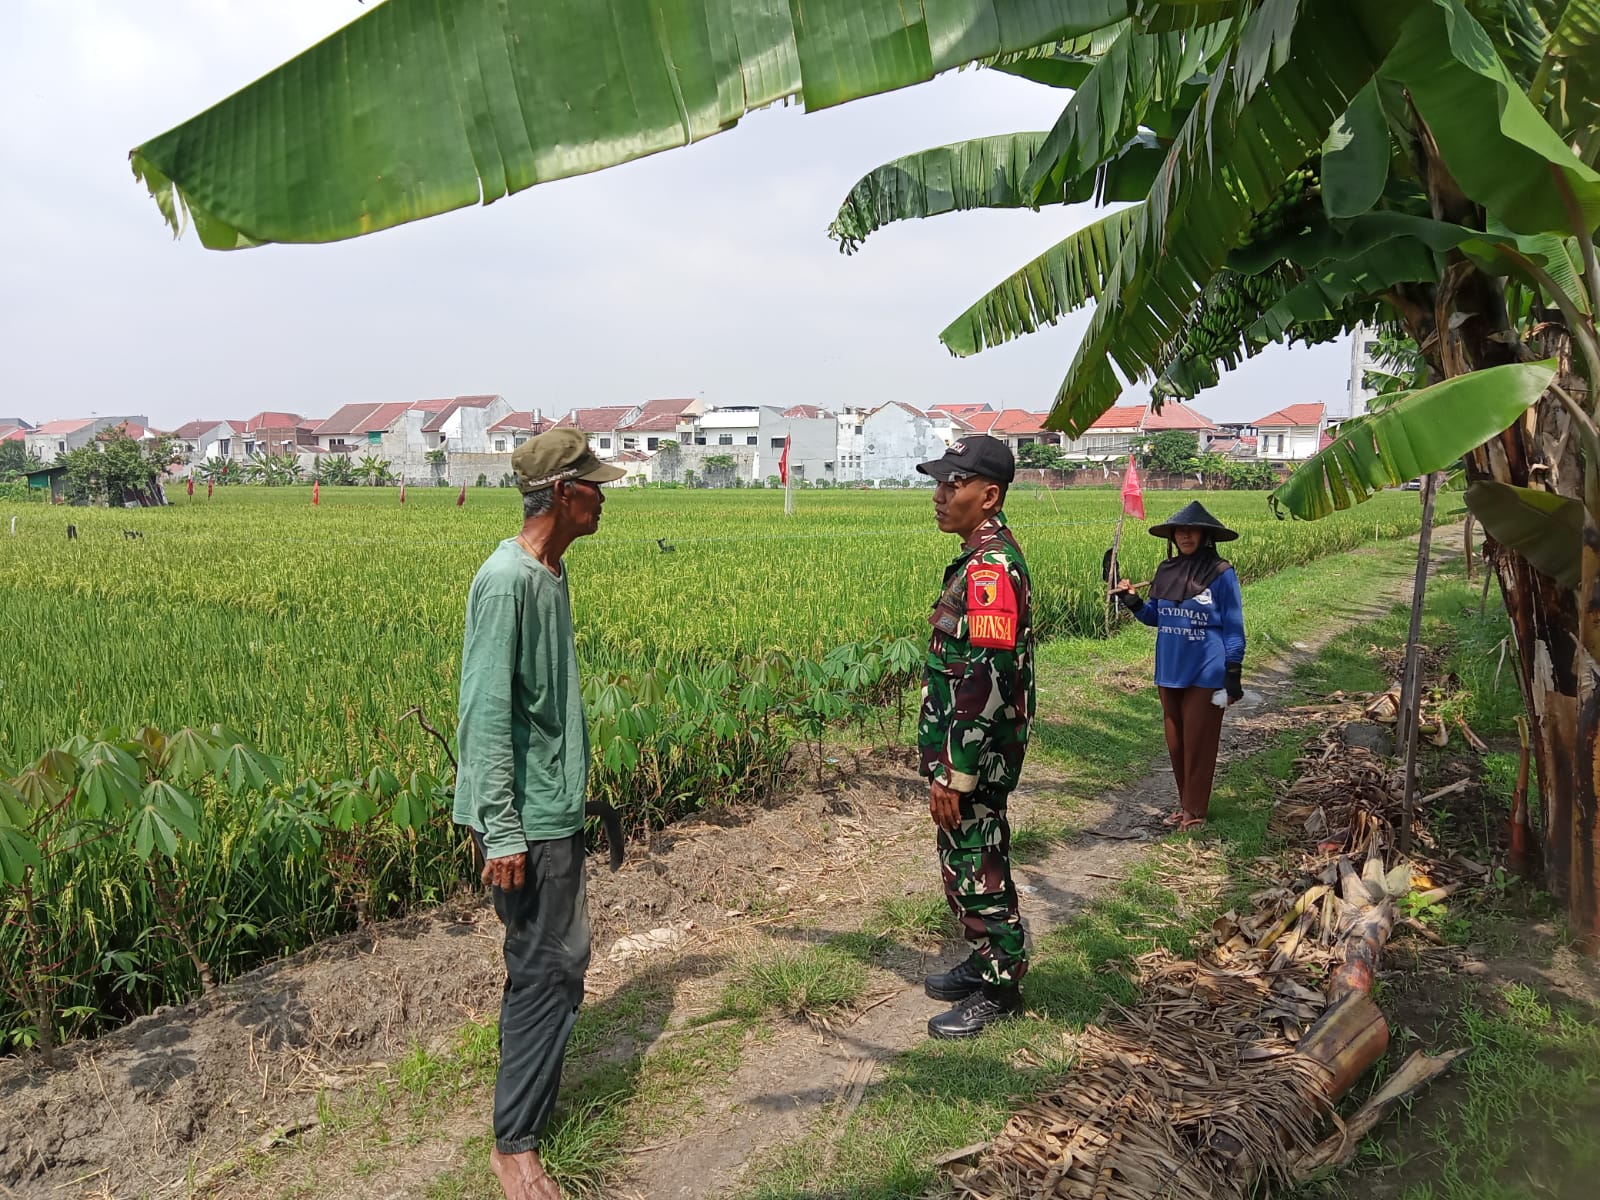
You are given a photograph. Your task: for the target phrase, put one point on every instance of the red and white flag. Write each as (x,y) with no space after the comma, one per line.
(191,485)
(402,489)
(1132,493)
(783,464)
(210,483)
(316,492)
(462,498)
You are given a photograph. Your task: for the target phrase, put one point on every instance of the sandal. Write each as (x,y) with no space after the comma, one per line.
(1189,824)
(1173,820)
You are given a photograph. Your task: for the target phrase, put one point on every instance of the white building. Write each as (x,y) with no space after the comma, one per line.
(1291,434)
(850,444)
(1363,358)
(896,437)
(55,438)
(753,436)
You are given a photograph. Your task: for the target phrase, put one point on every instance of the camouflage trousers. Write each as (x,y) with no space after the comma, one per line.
(975,860)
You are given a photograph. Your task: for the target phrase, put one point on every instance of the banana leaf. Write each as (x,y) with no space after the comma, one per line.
(1139,71)
(1498,147)
(1232,155)
(1355,158)
(1576,36)
(1064,277)
(1328,289)
(1426,431)
(419,107)
(1546,529)
(981,173)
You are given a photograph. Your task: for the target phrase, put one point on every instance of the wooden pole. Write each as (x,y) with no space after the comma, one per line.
(1411,688)
(1466,537)
(788,474)
(1116,544)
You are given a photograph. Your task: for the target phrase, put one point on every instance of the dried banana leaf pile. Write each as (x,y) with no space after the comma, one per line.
(1200,1091)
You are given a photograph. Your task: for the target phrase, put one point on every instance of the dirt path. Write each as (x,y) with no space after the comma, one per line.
(267,1087)
(782,1087)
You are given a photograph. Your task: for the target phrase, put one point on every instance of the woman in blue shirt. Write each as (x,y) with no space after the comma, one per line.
(1198,614)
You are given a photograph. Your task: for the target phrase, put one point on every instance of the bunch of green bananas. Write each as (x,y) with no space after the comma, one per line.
(1287,206)
(1230,304)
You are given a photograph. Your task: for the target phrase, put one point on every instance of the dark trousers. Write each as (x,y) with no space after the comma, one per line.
(1194,727)
(547,953)
(975,861)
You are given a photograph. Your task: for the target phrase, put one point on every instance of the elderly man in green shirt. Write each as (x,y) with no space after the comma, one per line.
(524,750)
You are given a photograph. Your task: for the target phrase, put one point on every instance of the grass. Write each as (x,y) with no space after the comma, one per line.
(921,916)
(1518,1118)
(793,981)
(940,1095)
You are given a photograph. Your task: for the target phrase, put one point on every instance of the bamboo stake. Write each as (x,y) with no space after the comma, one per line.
(1116,544)
(1411,690)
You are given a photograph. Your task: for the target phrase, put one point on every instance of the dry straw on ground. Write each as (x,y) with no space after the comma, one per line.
(1197,1091)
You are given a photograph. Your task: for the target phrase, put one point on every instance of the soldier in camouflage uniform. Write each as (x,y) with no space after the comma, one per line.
(977,702)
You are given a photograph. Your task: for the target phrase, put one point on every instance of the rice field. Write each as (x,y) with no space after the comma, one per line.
(147,850)
(308,629)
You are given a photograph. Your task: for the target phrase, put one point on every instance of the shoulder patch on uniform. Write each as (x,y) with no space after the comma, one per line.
(991,607)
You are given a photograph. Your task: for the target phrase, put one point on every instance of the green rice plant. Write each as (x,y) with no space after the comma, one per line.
(314,632)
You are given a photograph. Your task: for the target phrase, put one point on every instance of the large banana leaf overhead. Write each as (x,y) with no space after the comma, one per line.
(423,106)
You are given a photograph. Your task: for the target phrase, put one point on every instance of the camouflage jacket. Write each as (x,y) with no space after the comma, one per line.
(977,691)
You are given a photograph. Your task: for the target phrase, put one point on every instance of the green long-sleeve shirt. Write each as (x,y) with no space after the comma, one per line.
(522,737)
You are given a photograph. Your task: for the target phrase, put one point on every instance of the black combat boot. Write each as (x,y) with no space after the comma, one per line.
(976,1013)
(957,983)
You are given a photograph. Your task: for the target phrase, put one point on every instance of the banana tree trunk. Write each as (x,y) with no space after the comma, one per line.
(1461,325)
(1583,908)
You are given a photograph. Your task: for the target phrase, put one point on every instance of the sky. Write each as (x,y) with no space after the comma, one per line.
(704,271)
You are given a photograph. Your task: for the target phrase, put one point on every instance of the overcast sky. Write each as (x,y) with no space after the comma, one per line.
(704,271)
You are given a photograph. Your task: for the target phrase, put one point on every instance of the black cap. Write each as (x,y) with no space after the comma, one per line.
(976,454)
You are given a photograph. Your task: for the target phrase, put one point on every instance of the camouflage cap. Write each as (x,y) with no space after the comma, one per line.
(547,458)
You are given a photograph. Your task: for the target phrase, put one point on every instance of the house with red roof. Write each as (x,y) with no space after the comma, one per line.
(603,426)
(1290,434)
(206,438)
(964,411)
(354,427)
(1121,427)
(12,433)
(1019,427)
(273,433)
(511,430)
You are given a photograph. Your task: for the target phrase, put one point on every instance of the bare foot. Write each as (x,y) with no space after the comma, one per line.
(522,1176)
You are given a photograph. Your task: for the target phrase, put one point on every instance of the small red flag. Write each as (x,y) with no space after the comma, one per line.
(402,491)
(210,483)
(316,492)
(1132,493)
(783,463)
(462,498)
(191,485)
